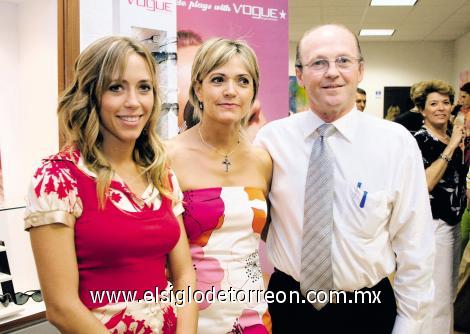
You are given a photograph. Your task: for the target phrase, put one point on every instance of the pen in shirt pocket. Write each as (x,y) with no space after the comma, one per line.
(362,203)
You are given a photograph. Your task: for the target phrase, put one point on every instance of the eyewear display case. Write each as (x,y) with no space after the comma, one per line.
(17,275)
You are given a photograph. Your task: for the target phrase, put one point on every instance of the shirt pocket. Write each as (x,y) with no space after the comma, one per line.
(366,213)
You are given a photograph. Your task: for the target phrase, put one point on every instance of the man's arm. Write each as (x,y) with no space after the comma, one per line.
(412,236)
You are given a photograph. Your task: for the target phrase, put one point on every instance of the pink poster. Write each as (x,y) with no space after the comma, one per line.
(261,23)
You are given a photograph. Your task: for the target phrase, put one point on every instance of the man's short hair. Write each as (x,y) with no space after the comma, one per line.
(361,91)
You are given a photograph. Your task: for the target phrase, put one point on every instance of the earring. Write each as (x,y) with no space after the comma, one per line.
(201,105)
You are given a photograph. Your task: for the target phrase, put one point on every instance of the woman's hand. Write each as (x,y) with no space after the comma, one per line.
(457,136)
(436,171)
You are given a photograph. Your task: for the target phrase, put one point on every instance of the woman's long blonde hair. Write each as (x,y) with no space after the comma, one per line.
(79,109)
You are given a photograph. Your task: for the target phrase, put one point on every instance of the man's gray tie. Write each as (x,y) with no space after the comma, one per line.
(316,272)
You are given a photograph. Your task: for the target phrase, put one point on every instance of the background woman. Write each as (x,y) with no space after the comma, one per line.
(392,112)
(100,213)
(465,103)
(445,175)
(225,181)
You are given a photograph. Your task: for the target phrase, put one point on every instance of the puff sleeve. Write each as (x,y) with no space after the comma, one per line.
(52,196)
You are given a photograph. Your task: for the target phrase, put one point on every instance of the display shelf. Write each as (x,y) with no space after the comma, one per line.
(32,312)
(13,203)
(4,277)
(5,206)
(10,310)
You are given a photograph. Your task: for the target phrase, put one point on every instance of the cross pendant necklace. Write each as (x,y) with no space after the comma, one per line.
(226,161)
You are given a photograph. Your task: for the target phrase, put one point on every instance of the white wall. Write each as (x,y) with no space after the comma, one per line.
(28,126)
(28,63)
(461,58)
(9,88)
(399,64)
(96,20)
(403,64)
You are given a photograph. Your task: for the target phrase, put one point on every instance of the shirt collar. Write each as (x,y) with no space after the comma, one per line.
(346,125)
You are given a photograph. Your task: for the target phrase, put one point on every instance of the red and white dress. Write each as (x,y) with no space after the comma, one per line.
(223,225)
(121,249)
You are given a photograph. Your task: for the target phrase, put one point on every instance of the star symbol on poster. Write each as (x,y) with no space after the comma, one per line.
(283,14)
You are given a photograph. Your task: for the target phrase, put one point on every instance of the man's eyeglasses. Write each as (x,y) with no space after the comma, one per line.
(22,297)
(5,299)
(342,63)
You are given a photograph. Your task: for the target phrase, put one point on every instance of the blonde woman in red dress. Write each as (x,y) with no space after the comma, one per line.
(104,214)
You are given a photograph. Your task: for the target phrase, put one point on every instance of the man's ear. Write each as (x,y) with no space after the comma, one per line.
(361,71)
(299,75)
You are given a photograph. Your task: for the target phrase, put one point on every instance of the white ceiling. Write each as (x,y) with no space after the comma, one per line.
(427,20)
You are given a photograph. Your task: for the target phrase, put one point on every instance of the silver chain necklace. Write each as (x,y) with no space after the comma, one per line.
(226,161)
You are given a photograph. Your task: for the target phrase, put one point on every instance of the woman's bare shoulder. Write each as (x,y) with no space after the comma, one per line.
(177,145)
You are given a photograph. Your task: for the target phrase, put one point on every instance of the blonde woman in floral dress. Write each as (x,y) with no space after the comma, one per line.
(225,181)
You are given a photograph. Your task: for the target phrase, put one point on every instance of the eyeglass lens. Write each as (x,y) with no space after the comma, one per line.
(5,299)
(164,56)
(22,297)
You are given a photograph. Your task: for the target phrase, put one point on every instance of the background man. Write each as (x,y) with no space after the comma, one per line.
(361,99)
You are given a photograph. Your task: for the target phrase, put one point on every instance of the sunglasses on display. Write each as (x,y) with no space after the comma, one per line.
(22,297)
(163,56)
(151,39)
(158,40)
(5,299)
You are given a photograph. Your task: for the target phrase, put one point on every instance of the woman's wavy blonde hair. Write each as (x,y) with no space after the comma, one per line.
(79,112)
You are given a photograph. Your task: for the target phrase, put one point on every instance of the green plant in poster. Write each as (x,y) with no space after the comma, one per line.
(297,97)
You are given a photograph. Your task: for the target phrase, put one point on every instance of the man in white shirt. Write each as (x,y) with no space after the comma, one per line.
(380,207)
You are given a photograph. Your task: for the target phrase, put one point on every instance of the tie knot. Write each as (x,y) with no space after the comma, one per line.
(326,129)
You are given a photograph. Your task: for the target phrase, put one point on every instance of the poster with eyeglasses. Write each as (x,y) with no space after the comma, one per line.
(263,24)
(151,22)
(154,24)
(163,50)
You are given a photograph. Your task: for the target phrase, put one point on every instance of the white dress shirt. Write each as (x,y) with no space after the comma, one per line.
(381,211)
